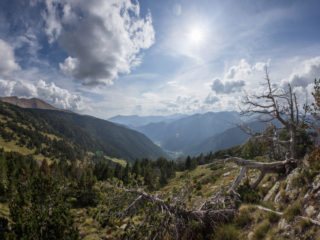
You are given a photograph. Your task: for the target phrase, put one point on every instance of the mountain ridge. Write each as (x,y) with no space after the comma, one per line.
(82,133)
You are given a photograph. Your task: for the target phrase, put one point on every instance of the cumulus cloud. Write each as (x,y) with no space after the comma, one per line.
(211,99)
(306,75)
(48,92)
(7,60)
(103,38)
(244,69)
(228,87)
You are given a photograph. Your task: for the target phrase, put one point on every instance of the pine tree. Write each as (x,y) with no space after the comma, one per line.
(39,211)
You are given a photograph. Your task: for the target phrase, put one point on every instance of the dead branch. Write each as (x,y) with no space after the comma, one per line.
(281,213)
(208,217)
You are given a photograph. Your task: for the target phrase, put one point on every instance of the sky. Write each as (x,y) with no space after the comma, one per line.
(147,57)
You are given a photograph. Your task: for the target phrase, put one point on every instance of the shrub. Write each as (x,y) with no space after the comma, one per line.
(304,224)
(273,217)
(261,230)
(292,211)
(243,218)
(247,194)
(227,232)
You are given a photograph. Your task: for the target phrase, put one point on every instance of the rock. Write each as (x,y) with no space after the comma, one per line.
(290,179)
(272,192)
(310,211)
(291,190)
(226,174)
(278,198)
(316,183)
(283,225)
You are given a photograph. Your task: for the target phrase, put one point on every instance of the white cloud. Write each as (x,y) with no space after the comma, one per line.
(7,60)
(103,38)
(48,92)
(244,69)
(210,99)
(227,87)
(305,75)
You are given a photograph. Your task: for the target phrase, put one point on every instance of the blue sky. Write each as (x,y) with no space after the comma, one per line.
(109,57)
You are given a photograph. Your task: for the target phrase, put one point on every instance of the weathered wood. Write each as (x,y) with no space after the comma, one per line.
(205,216)
(279,167)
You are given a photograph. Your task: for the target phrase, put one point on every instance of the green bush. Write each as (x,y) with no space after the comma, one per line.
(247,194)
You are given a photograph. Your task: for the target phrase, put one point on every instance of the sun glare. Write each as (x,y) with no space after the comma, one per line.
(196,35)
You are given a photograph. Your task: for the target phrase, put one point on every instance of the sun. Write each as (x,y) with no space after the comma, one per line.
(196,35)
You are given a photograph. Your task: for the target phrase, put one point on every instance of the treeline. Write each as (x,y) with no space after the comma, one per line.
(41,195)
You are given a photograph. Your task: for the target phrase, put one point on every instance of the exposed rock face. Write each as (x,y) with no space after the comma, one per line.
(291,191)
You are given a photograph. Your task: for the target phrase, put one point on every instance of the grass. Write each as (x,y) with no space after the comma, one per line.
(261,230)
(244,217)
(117,160)
(227,232)
(11,146)
(4,210)
(292,211)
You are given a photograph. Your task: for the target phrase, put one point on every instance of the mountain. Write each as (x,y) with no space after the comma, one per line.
(28,103)
(71,133)
(181,134)
(134,121)
(227,139)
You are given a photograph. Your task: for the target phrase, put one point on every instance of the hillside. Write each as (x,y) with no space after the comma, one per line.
(182,134)
(28,103)
(53,132)
(227,139)
(134,121)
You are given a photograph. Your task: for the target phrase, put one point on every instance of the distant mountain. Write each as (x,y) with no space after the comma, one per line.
(182,134)
(72,132)
(227,139)
(28,103)
(134,121)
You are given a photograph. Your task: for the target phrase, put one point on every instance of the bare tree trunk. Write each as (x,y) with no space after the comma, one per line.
(280,167)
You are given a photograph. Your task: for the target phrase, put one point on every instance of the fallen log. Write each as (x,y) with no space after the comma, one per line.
(209,216)
(279,167)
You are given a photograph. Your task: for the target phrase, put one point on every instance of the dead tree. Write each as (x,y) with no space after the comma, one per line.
(277,104)
(273,104)
(280,167)
(177,217)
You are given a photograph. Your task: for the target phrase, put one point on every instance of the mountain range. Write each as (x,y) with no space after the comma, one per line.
(29,103)
(191,135)
(135,121)
(78,132)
